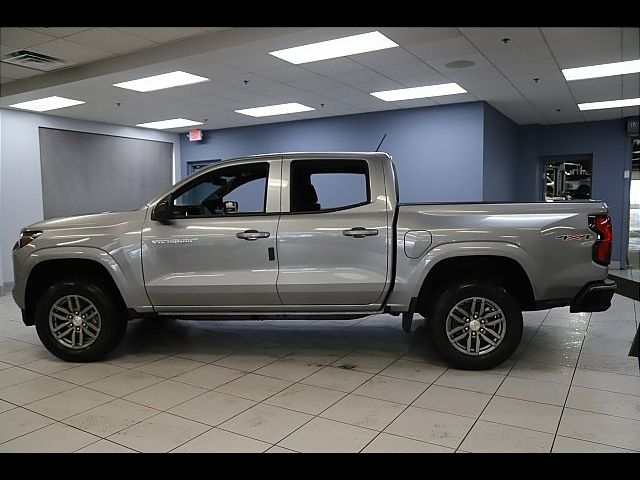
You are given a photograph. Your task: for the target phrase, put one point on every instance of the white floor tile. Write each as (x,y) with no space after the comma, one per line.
(33,390)
(326,436)
(542,371)
(305,398)
(105,446)
(391,389)
(209,376)
(364,411)
(287,369)
(221,441)
(266,423)
(68,403)
(111,417)
(169,367)
(15,375)
(416,371)
(363,363)
(520,413)
(611,382)
(534,390)
(164,395)
(212,408)
(385,443)
(160,433)
(254,387)
(337,379)
(598,428)
(55,438)
(608,403)
(453,400)
(18,421)
(124,383)
(471,380)
(487,437)
(572,445)
(430,426)
(88,372)
(246,361)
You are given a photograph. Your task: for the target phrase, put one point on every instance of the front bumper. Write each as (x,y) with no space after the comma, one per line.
(594,297)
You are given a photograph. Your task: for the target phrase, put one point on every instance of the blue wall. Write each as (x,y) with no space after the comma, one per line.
(499,180)
(610,147)
(440,146)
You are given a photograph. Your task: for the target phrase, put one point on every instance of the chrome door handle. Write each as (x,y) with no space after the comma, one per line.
(252,235)
(360,232)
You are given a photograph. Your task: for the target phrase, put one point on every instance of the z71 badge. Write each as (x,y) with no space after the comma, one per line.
(585,236)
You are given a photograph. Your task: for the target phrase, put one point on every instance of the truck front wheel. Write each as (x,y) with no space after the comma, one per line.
(78,320)
(475,326)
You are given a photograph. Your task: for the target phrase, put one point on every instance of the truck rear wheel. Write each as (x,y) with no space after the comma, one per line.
(78,320)
(475,326)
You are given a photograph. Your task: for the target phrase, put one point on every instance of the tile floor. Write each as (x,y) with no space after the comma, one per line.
(329,386)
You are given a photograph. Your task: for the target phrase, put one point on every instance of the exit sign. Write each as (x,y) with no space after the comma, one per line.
(195,135)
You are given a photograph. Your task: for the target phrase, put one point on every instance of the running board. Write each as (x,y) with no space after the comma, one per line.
(267,316)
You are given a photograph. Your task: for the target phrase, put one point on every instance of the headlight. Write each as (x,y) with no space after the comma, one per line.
(26,237)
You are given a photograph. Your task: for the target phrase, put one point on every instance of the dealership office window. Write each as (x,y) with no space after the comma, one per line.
(318,185)
(567,177)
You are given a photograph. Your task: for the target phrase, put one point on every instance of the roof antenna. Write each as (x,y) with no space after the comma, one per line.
(383,137)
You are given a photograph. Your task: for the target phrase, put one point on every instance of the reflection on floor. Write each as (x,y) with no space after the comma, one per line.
(348,386)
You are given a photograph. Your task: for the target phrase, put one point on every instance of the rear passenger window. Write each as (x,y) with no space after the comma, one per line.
(320,185)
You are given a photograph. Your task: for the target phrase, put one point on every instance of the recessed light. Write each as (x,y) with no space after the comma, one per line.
(158,82)
(48,103)
(173,123)
(628,102)
(602,70)
(419,92)
(339,47)
(275,110)
(460,64)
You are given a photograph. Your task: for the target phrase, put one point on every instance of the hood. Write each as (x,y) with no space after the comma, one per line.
(104,219)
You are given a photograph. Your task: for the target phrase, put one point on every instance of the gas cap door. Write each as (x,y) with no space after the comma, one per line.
(416,243)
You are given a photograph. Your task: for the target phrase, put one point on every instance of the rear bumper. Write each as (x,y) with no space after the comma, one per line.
(594,297)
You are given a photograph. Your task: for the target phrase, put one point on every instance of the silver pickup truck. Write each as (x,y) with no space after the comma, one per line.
(312,235)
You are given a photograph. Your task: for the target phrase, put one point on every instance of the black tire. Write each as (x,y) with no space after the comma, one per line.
(449,298)
(113,320)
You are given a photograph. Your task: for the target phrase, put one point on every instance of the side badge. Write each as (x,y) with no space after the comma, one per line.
(586,236)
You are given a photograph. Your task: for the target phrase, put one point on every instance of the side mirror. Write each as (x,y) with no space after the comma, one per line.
(162,210)
(230,207)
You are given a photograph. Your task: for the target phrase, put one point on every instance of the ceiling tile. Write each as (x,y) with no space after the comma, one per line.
(70,52)
(531,68)
(452,48)
(568,47)
(491,39)
(163,34)
(110,40)
(19,38)
(506,56)
(596,89)
(607,114)
(630,37)
(631,85)
(405,36)
(16,71)
(564,33)
(287,74)
(59,32)
(389,56)
(333,65)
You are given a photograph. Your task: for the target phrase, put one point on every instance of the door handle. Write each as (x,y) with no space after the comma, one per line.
(252,235)
(360,232)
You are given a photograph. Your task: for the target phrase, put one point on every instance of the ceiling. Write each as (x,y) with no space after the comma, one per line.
(244,75)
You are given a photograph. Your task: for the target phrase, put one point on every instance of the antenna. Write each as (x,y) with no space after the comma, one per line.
(383,137)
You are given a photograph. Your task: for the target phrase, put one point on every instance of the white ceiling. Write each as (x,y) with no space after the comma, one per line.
(503,74)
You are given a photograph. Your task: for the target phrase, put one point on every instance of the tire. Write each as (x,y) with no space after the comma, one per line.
(503,318)
(105,320)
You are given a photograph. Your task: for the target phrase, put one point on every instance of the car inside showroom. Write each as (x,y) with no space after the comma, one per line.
(319,239)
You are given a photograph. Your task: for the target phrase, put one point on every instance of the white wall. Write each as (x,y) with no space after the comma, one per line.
(20,175)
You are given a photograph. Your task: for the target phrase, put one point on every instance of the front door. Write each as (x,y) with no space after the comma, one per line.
(218,249)
(333,234)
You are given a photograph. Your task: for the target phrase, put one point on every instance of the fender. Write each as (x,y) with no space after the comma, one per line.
(411,273)
(133,294)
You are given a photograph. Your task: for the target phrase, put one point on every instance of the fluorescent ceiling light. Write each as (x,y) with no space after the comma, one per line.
(419,92)
(629,102)
(604,70)
(49,103)
(275,110)
(173,123)
(158,82)
(340,47)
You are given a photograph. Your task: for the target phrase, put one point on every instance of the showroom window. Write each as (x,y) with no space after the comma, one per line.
(327,185)
(240,189)
(567,177)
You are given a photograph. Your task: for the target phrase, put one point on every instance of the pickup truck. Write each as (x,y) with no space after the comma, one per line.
(312,235)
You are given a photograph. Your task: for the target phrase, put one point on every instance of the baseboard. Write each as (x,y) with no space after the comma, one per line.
(5,288)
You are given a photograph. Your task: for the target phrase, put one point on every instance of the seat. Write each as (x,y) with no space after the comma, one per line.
(304,198)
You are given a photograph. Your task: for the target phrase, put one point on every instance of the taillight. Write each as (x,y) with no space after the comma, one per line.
(601,224)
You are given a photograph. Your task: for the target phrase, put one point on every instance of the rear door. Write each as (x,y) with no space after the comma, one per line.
(333,236)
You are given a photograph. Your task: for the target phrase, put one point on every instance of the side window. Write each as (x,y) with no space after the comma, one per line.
(320,185)
(225,191)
